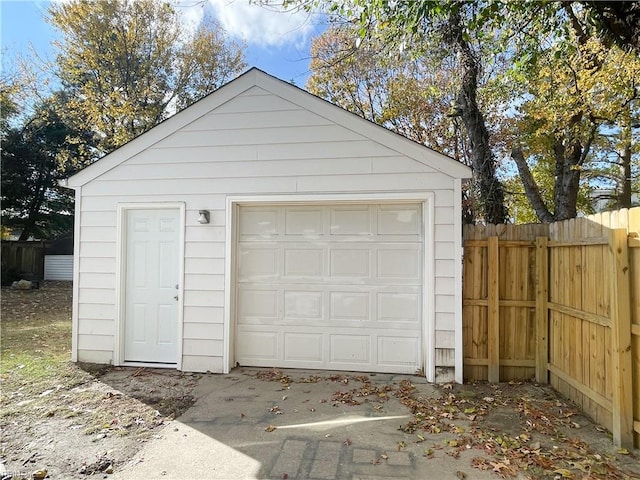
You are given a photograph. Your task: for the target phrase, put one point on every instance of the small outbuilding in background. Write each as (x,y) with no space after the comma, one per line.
(267,227)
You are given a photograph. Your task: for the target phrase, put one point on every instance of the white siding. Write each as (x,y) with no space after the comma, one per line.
(58,267)
(256,143)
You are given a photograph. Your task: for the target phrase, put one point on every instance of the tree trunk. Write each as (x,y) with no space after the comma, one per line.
(482,161)
(531,187)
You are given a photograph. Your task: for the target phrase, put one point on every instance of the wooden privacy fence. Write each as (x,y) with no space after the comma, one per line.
(559,303)
(23,259)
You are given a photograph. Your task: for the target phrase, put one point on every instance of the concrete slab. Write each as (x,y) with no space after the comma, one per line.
(242,427)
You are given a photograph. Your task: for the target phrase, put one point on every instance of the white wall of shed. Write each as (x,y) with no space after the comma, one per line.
(256,144)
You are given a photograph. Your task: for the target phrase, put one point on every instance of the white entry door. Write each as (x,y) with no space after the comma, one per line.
(151,285)
(330,286)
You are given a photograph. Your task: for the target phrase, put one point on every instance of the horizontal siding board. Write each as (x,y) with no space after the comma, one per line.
(444,268)
(260,136)
(445,357)
(243,153)
(286,118)
(58,267)
(98,249)
(203,314)
(445,303)
(445,339)
(204,249)
(98,234)
(239,169)
(95,356)
(203,298)
(97,265)
(214,266)
(97,280)
(91,311)
(106,218)
(97,296)
(444,215)
(99,203)
(193,281)
(444,233)
(445,321)
(379,182)
(96,327)
(201,363)
(95,342)
(444,285)
(202,347)
(256,103)
(398,164)
(444,198)
(199,186)
(211,331)
(205,233)
(444,250)
(319,150)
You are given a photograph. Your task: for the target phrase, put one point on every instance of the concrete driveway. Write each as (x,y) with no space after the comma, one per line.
(306,425)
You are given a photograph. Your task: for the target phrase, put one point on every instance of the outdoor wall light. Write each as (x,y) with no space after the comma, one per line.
(204,216)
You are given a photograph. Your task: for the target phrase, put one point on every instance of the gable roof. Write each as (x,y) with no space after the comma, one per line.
(256,77)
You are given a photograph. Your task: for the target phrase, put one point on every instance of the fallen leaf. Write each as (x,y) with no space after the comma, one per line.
(270,428)
(623,451)
(347,442)
(420,439)
(461,475)
(563,472)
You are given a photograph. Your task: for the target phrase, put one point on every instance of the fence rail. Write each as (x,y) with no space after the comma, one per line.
(560,303)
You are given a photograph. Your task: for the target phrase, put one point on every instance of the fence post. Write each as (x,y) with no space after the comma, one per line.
(493,310)
(621,372)
(542,314)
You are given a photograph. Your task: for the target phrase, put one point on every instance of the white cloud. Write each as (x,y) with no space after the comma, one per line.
(262,25)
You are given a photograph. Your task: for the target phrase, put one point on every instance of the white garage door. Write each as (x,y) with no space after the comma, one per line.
(330,286)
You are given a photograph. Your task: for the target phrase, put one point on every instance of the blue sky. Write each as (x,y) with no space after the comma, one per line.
(277,42)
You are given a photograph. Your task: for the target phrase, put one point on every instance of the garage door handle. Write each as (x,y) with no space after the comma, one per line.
(176,297)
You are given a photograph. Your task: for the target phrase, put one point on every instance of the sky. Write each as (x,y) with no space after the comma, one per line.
(277,42)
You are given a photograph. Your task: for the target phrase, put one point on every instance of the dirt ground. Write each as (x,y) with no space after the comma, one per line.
(75,420)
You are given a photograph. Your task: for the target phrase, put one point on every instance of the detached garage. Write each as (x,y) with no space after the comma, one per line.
(263,226)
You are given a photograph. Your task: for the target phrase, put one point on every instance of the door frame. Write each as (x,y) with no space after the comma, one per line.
(425,199)
(121,265)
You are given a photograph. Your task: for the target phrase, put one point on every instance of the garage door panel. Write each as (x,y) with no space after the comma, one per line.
(258,346)
(258,222)
(306,347)
(351,262)
(351,221)
(399,220)
(349,306)
(304,221)
(258,304)
(399,263)
(394,307)
(350,349)
(256,263)
(398,351)
(304,262)
(303,305)
(333,286)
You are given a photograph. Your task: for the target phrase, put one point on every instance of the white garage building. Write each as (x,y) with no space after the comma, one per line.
(266,227)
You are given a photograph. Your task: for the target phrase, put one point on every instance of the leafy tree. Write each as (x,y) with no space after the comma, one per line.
(577,105)
(35,155)
(127,65)
(431,28)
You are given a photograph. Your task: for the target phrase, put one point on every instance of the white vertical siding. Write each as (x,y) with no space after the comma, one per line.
(58,267)
(256,143)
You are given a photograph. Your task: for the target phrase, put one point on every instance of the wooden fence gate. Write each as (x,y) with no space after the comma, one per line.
(559,303)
